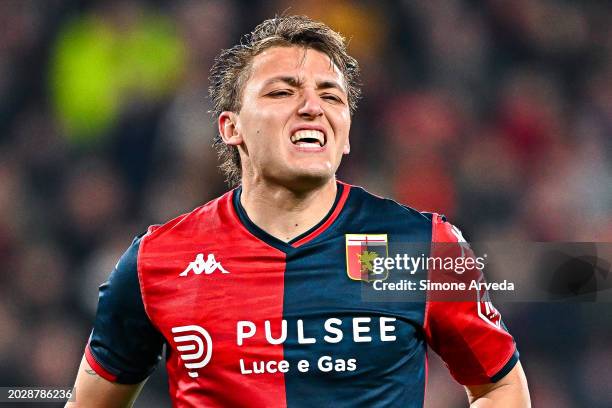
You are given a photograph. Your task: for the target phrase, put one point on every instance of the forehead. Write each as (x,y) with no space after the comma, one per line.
(304,63)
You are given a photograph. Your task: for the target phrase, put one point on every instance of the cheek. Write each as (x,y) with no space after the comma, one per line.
(340,118)
(341,124)
(253,128)
(265,119)
(261,136)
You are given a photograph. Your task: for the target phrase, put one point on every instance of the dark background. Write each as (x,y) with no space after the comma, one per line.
(496,113)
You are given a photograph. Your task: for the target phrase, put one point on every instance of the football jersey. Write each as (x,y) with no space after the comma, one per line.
(249,320)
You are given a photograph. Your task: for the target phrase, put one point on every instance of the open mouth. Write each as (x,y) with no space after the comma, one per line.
(308,138)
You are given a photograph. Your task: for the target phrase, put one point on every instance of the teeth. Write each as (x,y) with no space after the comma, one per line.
(308,134)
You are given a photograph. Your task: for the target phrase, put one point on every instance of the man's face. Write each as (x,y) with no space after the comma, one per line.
(294,122)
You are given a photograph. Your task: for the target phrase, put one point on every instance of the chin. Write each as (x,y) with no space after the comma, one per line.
(306,180)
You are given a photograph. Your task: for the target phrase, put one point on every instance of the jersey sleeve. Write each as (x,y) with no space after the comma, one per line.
(124,346)
(465,329)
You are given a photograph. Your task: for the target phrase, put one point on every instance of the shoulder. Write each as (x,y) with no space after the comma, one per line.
(185,224)
(443,230)
(122,286)
(372,202)
(390,214)
(396,216)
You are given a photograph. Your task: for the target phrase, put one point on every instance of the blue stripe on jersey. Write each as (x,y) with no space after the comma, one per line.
(132,358)
(317,288)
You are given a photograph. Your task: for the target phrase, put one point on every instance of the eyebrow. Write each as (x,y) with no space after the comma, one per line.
(297,83)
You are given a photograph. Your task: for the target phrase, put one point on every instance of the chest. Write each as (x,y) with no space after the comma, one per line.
(261,311)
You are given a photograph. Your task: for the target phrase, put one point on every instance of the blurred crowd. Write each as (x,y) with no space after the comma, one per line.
(497,113)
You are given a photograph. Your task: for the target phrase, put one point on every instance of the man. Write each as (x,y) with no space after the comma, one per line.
(254,294)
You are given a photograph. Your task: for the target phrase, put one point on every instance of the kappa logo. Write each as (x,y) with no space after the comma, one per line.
(200,265)
(191,346)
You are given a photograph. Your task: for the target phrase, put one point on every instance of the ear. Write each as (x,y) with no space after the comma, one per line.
(347,147)
(228,128)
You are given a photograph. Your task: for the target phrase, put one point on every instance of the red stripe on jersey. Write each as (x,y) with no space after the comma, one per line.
(101,371)
(473,348)
(241,280)
(330,220)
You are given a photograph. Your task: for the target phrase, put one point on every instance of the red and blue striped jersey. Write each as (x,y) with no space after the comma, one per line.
(250,320)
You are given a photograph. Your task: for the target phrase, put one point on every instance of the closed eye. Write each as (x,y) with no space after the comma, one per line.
(280,93)
(332,97)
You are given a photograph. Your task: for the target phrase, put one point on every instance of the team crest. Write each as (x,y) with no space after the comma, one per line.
(361,251)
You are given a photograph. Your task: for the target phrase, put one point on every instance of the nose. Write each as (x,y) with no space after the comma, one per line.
(310,105)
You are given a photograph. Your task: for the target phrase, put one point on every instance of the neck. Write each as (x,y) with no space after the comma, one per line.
(285,213)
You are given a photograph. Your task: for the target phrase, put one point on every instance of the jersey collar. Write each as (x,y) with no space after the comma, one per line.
(302,239)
